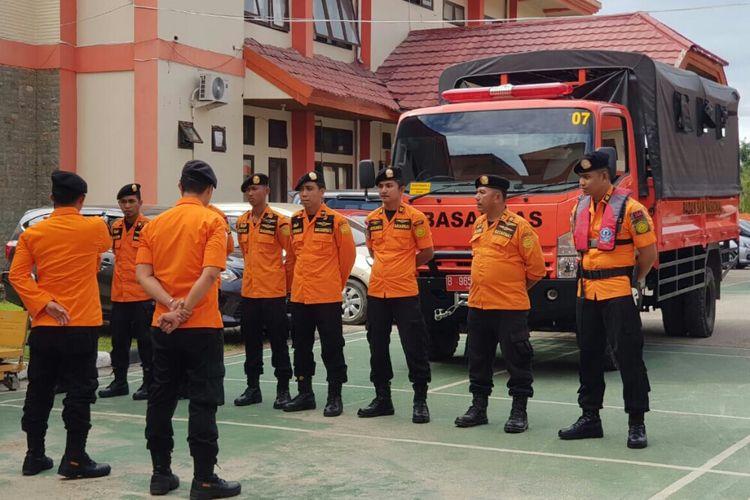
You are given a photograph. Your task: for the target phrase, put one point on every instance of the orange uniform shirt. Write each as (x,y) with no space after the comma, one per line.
(394,244)
(322,257)
(504,255)
(263,243)
(66,250)
(179,243)
(227,227)
(636,225)
(125,243)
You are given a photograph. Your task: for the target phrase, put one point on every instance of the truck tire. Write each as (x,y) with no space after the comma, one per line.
(700,308)
(443,340)
(673,316)
(354,303)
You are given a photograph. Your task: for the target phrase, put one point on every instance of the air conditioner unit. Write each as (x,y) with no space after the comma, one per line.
(213,88)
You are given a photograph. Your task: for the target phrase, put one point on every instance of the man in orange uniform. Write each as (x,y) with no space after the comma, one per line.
(322,257)
(264,236)
(399,239)
(608,227)
(507,260)
(65,310)
(182,253)
(132,308)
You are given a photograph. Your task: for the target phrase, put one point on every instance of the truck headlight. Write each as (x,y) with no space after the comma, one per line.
(567,257)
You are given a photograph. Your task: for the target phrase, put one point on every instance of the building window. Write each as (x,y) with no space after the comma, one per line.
(277,134)
(277,179)
(385,141)
(454,13)
(336,23)
(248,130)
(334,140)
(336,175)
(187,135)
(427,4)
(271,13)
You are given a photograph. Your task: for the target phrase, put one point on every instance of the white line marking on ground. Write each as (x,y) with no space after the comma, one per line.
(466,380)
(317,346)
(700,471)
(326,433)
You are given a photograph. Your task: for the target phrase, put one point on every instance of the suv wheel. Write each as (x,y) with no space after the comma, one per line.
(354,303)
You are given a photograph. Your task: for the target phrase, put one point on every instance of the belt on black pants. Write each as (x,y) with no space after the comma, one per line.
(601,274)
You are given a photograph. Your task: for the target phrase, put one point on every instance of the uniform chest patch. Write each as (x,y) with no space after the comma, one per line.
(324,225)
(506,228)
(375,225)
(606,235)
(268,225)
(137,231)
(403,224)
(117,233)
(243,228)
(297,225)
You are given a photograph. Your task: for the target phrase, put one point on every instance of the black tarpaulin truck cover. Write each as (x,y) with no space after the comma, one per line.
(686,126)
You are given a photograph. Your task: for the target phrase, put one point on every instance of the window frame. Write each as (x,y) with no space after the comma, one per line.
(430,4)
(285,141)
(269,4)
(246,136)
(454,7)
(625,140)
(341,137)
(184,139)
(331,38)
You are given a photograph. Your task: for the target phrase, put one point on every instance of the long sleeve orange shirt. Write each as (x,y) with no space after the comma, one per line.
(263,243)
(323,256)
(66,250)
(125,243)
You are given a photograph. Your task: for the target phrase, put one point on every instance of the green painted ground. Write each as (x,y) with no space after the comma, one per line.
(698,432)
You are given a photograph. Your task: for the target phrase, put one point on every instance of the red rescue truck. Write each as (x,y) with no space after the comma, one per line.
(676,139)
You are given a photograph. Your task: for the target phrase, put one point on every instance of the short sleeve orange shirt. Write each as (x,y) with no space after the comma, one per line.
(178,244)
(66,250)
(638,226)
(394,244)
(263,243)
(125,243)
(504,255)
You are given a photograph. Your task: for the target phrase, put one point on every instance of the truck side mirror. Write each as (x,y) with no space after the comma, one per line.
(366,174)
(612,163)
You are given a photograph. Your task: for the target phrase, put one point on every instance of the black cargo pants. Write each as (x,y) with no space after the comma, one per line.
(271,314)
(326,318)
(131,320)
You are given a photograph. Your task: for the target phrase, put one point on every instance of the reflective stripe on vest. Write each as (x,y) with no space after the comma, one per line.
(614,208)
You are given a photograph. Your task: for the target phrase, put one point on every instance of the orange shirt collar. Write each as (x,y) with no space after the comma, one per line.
(594,206)
(65,211)
(189,200)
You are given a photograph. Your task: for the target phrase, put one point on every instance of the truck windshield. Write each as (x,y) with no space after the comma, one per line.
(529,147)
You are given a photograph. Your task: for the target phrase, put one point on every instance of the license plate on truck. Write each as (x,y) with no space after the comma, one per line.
(458,282)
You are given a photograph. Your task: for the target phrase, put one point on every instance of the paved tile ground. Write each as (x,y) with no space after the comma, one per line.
(699,433)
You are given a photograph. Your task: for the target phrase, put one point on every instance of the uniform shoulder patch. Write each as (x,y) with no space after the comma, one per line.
(642,226)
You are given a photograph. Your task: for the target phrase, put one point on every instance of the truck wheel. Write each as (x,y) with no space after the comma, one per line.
(700,310)
(673,316)
(443,340)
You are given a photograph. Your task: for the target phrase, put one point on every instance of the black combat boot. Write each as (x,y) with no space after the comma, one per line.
(282,394)
(334,406)
(35,462)
(381,406)
(252,394)
(142,393)
(163,480)
(518,420)
(305,398)
(118,387)
(636,431)
(78,467)
(420,413)
(588,425)
(476,414)
(214,487)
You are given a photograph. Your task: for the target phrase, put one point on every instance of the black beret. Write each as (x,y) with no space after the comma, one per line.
(129,190)
(254,180)
(315,177)
(389,174)
(66,186)
(492,181)
(592,161)
(200,171)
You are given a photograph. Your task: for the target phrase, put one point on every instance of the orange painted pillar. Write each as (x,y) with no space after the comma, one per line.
(68,134)
(366,33)
(302,31)
(146,98)
(475,12)
(303,143)
(512,9)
